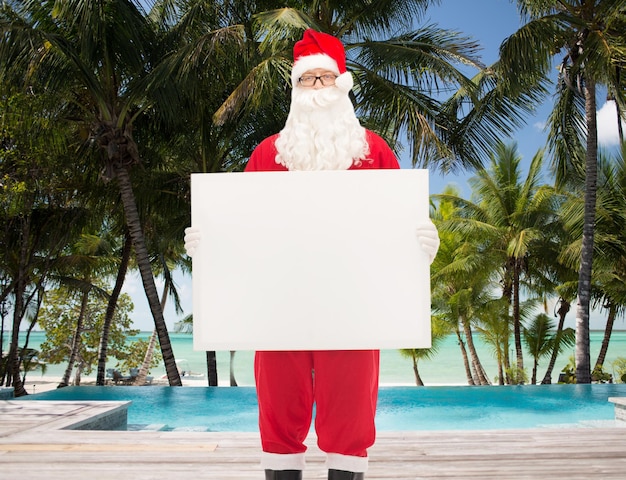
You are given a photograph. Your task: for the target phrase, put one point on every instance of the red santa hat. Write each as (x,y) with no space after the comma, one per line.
(320,50)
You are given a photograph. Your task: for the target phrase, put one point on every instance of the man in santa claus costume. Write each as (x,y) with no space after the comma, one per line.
(322,132)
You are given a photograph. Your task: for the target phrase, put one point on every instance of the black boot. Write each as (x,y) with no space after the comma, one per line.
(344,475)
(283,474)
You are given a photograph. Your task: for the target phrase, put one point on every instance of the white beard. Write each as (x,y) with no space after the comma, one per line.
(322,132)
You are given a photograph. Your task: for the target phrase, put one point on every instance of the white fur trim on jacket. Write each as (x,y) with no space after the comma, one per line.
(310,62)
(348,463)
(345,82)
(279,461)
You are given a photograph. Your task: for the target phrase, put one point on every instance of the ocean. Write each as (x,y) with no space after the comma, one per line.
(445,368)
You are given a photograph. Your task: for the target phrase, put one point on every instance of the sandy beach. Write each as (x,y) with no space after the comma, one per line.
(445,368)
(38,383)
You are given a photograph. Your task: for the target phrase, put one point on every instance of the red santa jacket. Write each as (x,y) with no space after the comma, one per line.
(263,158)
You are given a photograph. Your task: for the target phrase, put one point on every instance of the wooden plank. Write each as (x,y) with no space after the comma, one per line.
(39,451)
(85,447)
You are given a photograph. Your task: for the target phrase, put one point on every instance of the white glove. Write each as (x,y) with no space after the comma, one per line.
(429,239)
(192,240)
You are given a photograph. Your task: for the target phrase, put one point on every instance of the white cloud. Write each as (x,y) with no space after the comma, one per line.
(607,125)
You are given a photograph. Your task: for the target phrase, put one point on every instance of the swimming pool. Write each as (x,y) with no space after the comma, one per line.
(399,408)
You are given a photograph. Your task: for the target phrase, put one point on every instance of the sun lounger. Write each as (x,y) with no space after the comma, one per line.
(118,378)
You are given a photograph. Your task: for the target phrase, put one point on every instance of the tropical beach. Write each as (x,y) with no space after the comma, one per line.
(445,368)
(515,109)
(41,449)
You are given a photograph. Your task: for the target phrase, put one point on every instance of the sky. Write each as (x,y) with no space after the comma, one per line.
(489,22)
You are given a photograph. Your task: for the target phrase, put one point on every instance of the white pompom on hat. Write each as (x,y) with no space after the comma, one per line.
(320,50)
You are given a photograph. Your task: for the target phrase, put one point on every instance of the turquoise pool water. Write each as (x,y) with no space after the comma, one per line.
(399,408)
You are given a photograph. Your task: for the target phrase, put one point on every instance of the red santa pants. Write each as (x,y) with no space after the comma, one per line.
(344,387)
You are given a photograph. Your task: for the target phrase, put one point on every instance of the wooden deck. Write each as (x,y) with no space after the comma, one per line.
(32,445)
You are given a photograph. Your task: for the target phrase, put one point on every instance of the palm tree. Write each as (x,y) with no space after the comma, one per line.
(557,277)
(213,51)
(461,285)
(507,218)
(63,309)
(110,311)
(588,37)
(29,358)
(440,330)
(562,311)
(541,340)
(100,54)
(169,290)
(399,73)
(89,260)
(38,207)
(610,265)
(496,333)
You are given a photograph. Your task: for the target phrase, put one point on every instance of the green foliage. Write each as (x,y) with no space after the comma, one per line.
(58,318)
(569,372)
(185,325)
(619,367)
(134,355)
(600,376)
(520,376)
(540,336)
(29,361)
(197,90)
(569,375)
(537,335)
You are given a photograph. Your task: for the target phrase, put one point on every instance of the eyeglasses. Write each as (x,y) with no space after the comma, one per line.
(327,80)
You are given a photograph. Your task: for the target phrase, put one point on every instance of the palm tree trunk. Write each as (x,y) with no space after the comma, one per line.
(506,361)
(13,362)
(507,294)
(620,130)
(501,346)
(607,336)
(29,330)
(517,327)
(418,379)
(79,372)
(583,361)
(108,319)
(466,363)
(3,368)
(500,372)
(76,341)
(563,310)
(143,262)
(233,381)
(211,365)
(147,359)
(478,368)
(483,374)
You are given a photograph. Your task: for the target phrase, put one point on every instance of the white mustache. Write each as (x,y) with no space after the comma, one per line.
(317,99)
